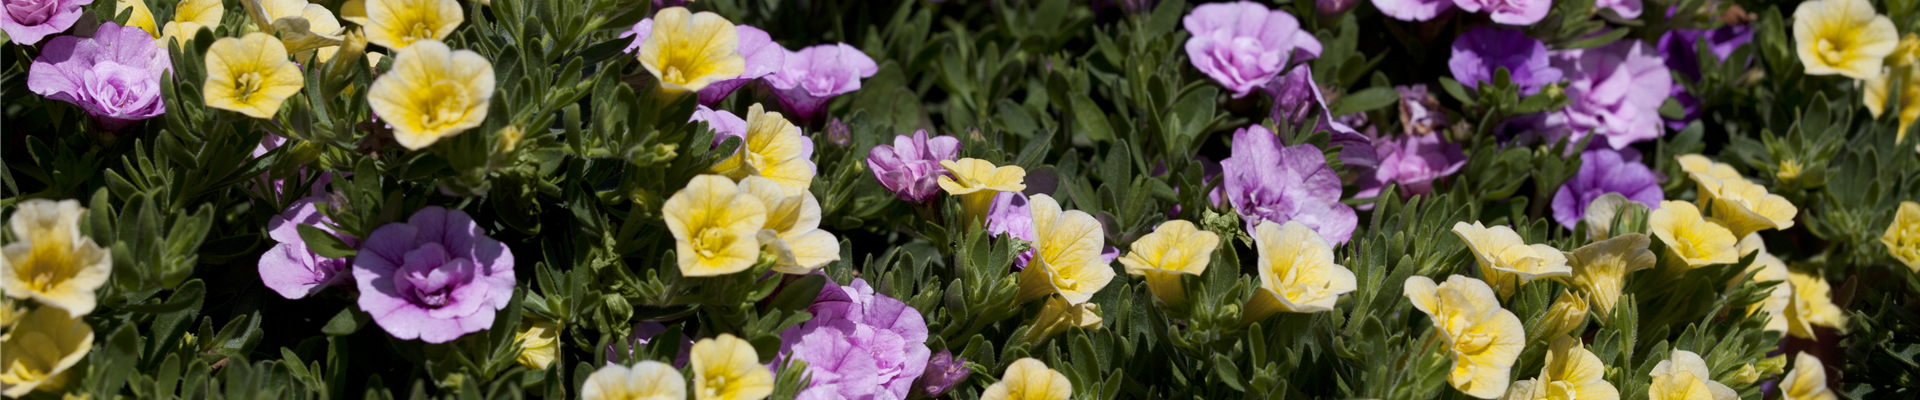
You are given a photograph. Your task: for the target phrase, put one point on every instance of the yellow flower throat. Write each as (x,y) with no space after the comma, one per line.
(49,264)
(246,85)
(709,241)
(443,104)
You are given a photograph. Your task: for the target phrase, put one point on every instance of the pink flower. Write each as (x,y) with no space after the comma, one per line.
(859,345)
(910,167)
(290,268)
(1414,162)
(1265,181)
(434,278)
(813,75)
(1615,90)
(28,21)
(1243,45)
(1510,12)
(1412,10)
(114,75)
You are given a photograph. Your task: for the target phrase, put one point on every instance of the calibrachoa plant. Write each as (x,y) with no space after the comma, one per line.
(953,199)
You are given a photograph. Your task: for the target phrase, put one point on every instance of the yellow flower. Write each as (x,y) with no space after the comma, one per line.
(142,17)
(1506,261)
(40,350)
(1483,338)
(1600,269)
(52,263)
(1684,376)
(188,17)
(1903,235)
(1907,52)
(1572,372)
(1844,37)
(1767,268)
(647,380)
(300,26)
(1297,273)
(250,75)
(772,148)
(394,24)
(538,342)
(1691,241)
(793,229)
(1705,171)
(433,92)
(1808,381)
(1058,314)
(1877,88)
(1743,207)
(715,226)
(9,314)
(1567,314)
(1066,256)
(686,52)
(1174,249)
(1812,305)
(976,181)
(1029,379)
(727,368)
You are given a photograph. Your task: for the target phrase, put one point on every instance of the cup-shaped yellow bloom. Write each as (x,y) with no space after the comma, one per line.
(1705,171)
(773,148)
(646,380)
(433,92)
(142,17)
(1297,273)
(40,350)
(1844,37)
(1808,381)
(1907,52)
(1600,269)
(792,231)
(301,26)
(976,181)
(1691,240)
(1903,235)
(1572,372)
(1684,376)
(1176,248)
(1066,256)
(1767,268)
(727,368)
(538,342)
(688,51)
(1483,338)
(1567,314)
(1506,261)
(1058,314)
(52,263)
(1877,89)
(395,24)
(1744,207)
(1029,379)
(250,75)
(1812,305)
(715,226)
(188,17)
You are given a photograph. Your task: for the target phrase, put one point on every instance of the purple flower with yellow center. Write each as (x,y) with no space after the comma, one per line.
(1603,171)
(809,77)
(1615,90)
(28,21)
(910,168)
(1243,45)
(435,277)
(1265,181)
(1414,162)
(763,57)
(859,345)
(1482,51)
(290,268)
(114,75)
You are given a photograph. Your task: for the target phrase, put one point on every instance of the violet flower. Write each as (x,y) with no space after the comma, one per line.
(1330,8)
(1602,171)
(1414,162)
(762,54)
(1243,45)
(1509,12)
(1268,182)
(911,166)
(944,371)
(1296,97)
(28,21)
(1009,215)
(114,75)
(723,123)
(859,345)
(1420,112)
(1615,90)
(1677,47)
(810,77)
(290,268)
(1483,50)
(435,277)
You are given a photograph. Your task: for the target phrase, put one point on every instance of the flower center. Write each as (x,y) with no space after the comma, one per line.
(1472,343)
(1830,52)
(715,382)
(446,104)
(709,241)
(420,30)
(1561,390)
(246,85)
(31,12)
(49,264)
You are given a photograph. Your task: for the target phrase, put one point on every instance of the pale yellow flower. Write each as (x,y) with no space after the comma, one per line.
(1744,207)
(51,262)
(301,26)
(539,343)
(976,181)
(1600,269)
(1568,313)
(1808,381)
(1058,314)
(1844,37)
(647,380)
(9,314)
(395,24)
(1066,257)
(1176,248)
(1507,261)
(250,75)
(1907,52)
(727,368)
(1483,338)
(433,92)
(1684,376)
(1604,210)
(1297,273)
(773,148)
(1767,268)
(688,51)
(1029,379)
(1877,89)
(715,227)
(142,17)
(188,17)
(1812,305)
(1572,372)
(40,350)
(1705,171)
(1903,235)
(1691,240)
(793,229)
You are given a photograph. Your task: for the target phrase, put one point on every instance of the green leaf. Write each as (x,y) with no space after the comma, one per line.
(348,321)
(1368,99)
(324,244)
(1091,119)
(1671,109)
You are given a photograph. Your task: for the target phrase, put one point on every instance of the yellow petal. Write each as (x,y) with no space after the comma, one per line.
(686,51)
(396,24)
(1807,381)
(1297,270)
(1066,252)
(41,349)
(1843,37)
(647,380)
(727,368)
(1506,260)
(1903,235)
(433,92)
(140,18)
(715,227)
(1174,248)
(250,75)
(1600,269)
(1691,240)
(1029,379)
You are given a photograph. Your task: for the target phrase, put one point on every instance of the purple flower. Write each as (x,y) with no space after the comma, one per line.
(943,372)
(1483,50)
(114,75)
(1333,7)
(435,277)
(1603,171)
(723,123)
(813,75)
(762,54)
(290,268)
(1510,12)
(1412,10)
(911,166)
(1677,47)
(1420,112)
(1243,45)
(1268,182)
(1413,161)
(1615,90)
(1010,216)
(1296,98)
(1628,9)
(859,345)
(28,21)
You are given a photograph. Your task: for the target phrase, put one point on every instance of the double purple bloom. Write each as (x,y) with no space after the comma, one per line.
(1243,45)
(1414,162)
(810,77)
(1615,90)
(435,277)
(1602,171)
(859,345)
(114,75)
(290,268)
(911,166)
(1509,12)
(1265,181)
(28,21)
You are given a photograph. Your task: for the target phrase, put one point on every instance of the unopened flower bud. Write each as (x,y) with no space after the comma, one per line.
(1058,314)
(838,133)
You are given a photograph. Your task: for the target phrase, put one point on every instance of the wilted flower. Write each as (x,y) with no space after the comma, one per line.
(1691,240)
(762,55)
(688,51)
(1767,268)
(290,268)
(41,350)
(435,277)
(114,75)
(1567,315)
(1483,50)
(1572,372)
(250,75)
(770,147)
(188,17)
(942,373)
(1029,379)
(539,343)
(432,93)
(395,24)
(1684,376)
(1483,338)
(647,380)
(1420,112)
(1413,162)
(1176,248)
(715,226)
(1057,314)
(50,262)
(1903,235)
(1267,182)
(1615,90)
(910,168)
(28,21)
(1506,260)
(1604,170)
(976,181)
(813,75)
(1067,249)
(727,368)
(792,231)
(1744,207)
(1843,37)
(1808,381)
(1297,273)
(1600,269)
(1243,45)
(299,25)
(859,345)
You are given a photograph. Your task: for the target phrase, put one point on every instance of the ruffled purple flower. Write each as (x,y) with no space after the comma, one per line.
(1615,90)
(1414,162)
(762,54)
(1265,181)
(1009,215)
(1510,12)
(1677,47)
(1296,97)
(1602,171)
(28,21)
(1483,50)
(434,278)
(1243,45)
(943,372)
(859,345)
(114,75)
(810,77)
(911,166)
(290,268)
